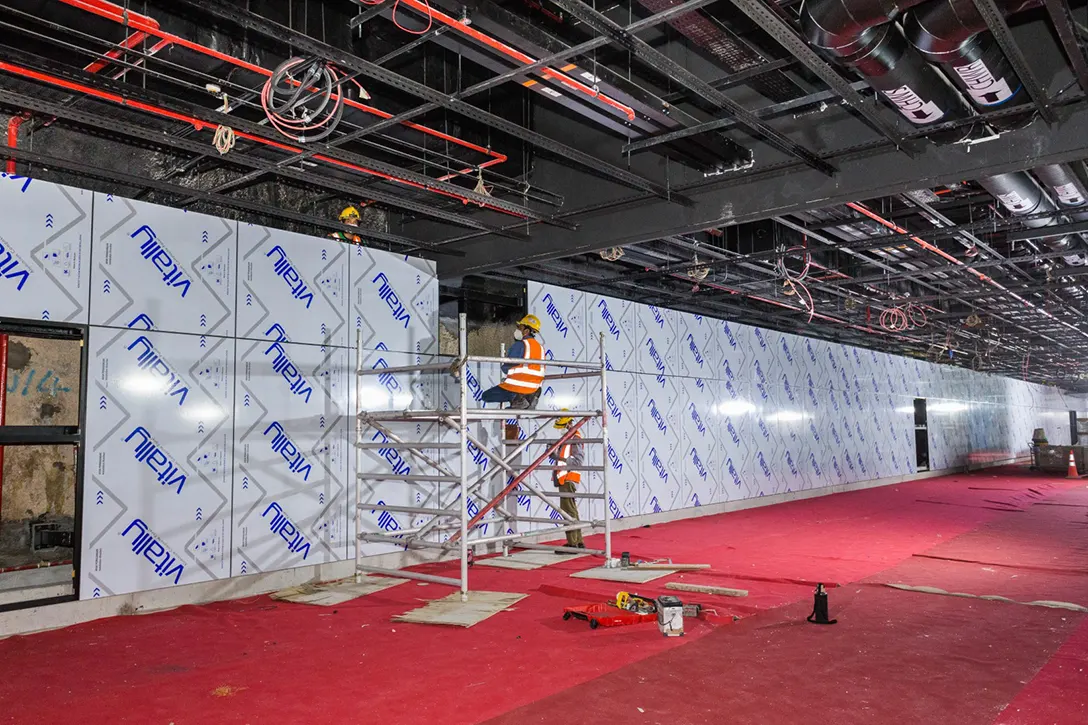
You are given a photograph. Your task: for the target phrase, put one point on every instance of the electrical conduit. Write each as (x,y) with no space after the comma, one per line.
(201,125)
(150,26)
(940,252)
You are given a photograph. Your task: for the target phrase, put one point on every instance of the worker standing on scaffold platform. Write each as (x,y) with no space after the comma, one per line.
(520,386)
(570,457)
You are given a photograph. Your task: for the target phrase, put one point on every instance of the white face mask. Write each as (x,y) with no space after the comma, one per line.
(518,335)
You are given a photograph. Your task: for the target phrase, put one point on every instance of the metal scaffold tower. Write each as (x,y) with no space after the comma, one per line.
(446,443)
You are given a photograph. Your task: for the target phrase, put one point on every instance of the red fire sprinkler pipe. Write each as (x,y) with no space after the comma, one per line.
(3,402)
(201,125)
(13,142)
(150,26)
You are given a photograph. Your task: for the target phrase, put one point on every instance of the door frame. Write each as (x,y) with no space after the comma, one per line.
(55,435)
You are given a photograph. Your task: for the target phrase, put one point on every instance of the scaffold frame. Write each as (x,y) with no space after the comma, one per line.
(461,420)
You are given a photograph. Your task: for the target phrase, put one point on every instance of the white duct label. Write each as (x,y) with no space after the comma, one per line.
(1069,194)
(981,84)
(911,105)
(1014,202)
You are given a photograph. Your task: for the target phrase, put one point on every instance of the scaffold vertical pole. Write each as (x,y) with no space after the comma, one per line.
(605,462)
(509,511)
(358,455)
(462,335)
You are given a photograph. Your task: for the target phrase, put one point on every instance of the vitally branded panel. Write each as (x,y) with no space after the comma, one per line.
(784,413)
(45,244)
(159,461)
(394,301)
(294,281)
(173,267)
(181,417)
(292,455)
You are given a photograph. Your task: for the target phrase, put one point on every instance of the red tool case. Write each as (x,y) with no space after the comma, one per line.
(607,615)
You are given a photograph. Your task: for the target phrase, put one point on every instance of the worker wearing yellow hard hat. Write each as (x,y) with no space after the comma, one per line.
(568,459)
(521,382)
(350,216)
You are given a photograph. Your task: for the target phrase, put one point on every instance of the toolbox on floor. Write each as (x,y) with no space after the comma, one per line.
(607,615)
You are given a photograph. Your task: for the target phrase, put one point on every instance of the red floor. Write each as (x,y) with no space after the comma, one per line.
(895,656)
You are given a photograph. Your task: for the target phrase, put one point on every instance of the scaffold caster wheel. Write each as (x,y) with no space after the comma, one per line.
(566,616)
(593,624)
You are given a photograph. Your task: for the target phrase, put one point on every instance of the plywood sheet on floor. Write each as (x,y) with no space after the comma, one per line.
(455,613)
(526,560)
(629,576)
(334,593)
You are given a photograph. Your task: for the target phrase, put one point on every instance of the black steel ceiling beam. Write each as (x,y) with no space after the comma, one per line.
(1062,18)
(251,21)
(116,126)
(558,56)
(787,37)
(857,152)
(368,11)
(131,92)
(868,171)
(995,21)
(228,202)
(602,25)
(736,79)
(522,32)
(721,124)
(213,118)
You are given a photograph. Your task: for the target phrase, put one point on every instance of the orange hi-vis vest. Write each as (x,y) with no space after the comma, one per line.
(563,477)
(526,377)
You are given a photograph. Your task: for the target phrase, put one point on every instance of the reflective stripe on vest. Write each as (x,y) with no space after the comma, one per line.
(567,476)
(527,377)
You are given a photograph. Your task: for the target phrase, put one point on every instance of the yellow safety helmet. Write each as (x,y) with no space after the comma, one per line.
(349,212)
(564,421)
(530,321)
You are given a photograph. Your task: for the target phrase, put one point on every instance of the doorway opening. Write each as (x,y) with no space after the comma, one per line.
(42,369)
(921,435)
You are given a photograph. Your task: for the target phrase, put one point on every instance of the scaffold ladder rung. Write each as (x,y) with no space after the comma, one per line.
(408,477)
(408,445)
(406,509)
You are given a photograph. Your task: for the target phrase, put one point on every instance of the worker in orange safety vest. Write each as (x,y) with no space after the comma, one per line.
(521,382)
(568,459)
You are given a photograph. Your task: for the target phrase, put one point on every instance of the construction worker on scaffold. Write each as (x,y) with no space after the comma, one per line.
(521,382)
(350,216)
(569,458)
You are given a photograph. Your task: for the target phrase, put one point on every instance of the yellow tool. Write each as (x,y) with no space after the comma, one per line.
(634,603)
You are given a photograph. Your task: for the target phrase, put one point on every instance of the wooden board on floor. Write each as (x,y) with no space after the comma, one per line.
(626,575)
(334,593)
(526,560)
(453,612)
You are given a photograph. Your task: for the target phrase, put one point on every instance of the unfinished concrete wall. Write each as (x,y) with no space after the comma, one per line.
(43,388)
(482,339)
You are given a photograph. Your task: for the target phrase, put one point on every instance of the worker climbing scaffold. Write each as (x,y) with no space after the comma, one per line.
(454,503)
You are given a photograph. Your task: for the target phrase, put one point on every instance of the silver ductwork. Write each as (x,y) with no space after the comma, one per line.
(1066,188)
(1021,196)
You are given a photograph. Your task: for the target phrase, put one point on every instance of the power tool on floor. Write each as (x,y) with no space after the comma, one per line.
(635,603)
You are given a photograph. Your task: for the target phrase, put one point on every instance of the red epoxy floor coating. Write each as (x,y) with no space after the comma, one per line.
(894,657)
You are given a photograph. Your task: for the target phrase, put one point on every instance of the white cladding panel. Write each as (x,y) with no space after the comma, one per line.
(159,459)
(45,245)
(297,282)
